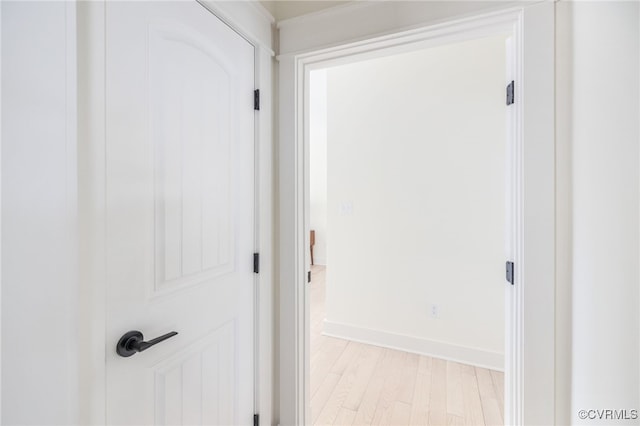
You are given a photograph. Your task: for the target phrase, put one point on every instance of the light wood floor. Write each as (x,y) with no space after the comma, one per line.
(358,384)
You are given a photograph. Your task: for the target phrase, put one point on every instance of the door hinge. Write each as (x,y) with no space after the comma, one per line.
(510,272)
(256,263)
(256,420)
(309,276)
(256,99)
(510,93)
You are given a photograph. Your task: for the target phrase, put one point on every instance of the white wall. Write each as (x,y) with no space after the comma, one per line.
(416,199)
(563,186)
(292,8)
(39,281)
(605,139)
(318,163)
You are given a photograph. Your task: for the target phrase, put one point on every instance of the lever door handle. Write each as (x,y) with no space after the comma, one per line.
(133,341)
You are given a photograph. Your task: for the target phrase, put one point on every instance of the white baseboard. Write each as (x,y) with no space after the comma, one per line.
(418,345)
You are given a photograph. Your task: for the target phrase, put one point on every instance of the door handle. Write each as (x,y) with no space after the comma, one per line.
(133,341)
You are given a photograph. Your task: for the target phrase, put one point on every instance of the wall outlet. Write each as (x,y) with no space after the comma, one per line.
(434,311)
(346,208)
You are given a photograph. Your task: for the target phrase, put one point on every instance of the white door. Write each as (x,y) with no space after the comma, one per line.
(180,215)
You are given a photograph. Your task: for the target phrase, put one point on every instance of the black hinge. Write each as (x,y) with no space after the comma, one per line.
(256,420)
(256,99)
(510,93)
(309,276)
(510,272)
(256,263)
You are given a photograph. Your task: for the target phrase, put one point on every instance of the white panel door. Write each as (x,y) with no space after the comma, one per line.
(180,215)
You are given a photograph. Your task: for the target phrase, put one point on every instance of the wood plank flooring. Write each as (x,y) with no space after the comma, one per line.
(357,384)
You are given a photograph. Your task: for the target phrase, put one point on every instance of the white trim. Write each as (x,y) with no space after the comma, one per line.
(454,30)
(264,200)
(0,216)
(418,345)
(530,385)
(72,178)
(364,21)
(290,272)
(91,212)
(535,67)
(256,238)
(248,21)
(263,11)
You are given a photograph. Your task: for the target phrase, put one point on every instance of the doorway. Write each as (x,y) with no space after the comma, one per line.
(528,383)
(407,207)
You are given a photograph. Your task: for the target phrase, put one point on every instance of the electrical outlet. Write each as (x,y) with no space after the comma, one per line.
(346,208)
(434,311)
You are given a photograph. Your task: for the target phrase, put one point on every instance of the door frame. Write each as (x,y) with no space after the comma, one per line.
(530,375)
(254,24)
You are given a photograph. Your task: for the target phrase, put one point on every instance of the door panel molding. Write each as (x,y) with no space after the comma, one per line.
(188,368)
(186,221)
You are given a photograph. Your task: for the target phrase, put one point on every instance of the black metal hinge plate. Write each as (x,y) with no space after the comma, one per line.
(256,100)
(256,263)
(256,420)
(309,276)
(511,93)
(510,270)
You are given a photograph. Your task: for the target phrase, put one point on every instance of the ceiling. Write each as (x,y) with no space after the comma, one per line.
(285,9)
